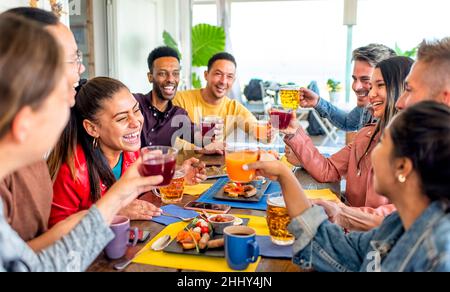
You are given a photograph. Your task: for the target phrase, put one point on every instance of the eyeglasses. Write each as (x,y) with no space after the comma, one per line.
(78,60)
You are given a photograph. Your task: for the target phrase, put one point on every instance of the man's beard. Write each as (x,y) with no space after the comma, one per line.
(161,96)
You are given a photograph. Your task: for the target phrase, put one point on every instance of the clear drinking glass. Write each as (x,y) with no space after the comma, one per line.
(159,160)
(236,158)
(278,220)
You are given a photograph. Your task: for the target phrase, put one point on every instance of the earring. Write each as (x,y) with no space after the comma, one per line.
(402,178)
(95,143)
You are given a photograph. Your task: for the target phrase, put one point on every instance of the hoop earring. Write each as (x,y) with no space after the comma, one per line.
(402,178)
(95,143)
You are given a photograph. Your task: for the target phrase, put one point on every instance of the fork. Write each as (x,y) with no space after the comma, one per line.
(178,217)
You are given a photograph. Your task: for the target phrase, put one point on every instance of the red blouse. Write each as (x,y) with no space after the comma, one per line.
(73,195)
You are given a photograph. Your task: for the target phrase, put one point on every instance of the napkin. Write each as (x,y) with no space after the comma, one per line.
(174,210)
(197,190)
(268,249)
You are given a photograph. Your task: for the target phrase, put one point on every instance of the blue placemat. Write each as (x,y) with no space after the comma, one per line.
(208,197)
(269,250)
(174,210)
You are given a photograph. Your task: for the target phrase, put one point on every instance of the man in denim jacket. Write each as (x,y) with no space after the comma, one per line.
(366,59)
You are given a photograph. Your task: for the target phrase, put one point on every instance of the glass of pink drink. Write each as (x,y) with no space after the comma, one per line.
(209,125)
(280,118)
(159,160)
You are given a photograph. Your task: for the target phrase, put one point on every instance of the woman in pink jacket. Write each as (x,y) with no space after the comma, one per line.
(366,208)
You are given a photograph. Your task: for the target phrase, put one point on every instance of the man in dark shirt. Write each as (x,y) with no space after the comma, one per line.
(164,122)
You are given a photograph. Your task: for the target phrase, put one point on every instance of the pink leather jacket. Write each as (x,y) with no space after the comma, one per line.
(360,191)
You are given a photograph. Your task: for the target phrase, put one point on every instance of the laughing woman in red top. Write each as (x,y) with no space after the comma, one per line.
(107,124)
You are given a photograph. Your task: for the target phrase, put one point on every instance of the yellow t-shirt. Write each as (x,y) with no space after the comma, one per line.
(233,113)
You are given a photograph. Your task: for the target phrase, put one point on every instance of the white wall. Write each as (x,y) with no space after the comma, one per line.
(8,4)
(134,29)
(44,4)
(100,38)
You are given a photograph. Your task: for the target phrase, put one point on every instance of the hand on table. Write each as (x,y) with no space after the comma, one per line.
(140,210)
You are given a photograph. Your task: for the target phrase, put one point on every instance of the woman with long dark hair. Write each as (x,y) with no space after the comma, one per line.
(366,208)
(108,124)
(411,169)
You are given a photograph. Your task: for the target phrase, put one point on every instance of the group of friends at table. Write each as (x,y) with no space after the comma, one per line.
(70,153)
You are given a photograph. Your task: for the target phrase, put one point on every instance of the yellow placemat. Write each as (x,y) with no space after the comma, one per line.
(286,162)
(191,262)
(197,190)
(326,195)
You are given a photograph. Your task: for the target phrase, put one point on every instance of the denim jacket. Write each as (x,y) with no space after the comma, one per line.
(352,121)
(324,246)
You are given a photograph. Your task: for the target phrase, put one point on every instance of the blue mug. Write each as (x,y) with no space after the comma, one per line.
(241,247)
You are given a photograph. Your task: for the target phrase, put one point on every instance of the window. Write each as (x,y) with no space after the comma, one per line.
(204,13)
(405,22)
(285,41)
(301,41)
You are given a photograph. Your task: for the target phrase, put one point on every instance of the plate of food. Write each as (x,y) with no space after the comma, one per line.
(216,172)
(251,192)
(202,237)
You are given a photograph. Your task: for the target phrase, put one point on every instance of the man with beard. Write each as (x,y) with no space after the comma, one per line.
(164,123)
(365,59)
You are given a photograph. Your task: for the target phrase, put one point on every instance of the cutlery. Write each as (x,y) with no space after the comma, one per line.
(178,217)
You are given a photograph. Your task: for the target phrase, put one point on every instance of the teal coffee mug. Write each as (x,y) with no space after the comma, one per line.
(241,247)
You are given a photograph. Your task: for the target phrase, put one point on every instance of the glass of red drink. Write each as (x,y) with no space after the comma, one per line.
(209,124)
(280,118)
(159,160)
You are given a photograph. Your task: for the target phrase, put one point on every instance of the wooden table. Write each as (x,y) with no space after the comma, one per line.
(102,264)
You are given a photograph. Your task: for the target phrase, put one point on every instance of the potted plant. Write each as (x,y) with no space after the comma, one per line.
(334,88)
(207,40)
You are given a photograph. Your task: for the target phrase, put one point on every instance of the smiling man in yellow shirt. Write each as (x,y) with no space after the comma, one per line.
(212,100)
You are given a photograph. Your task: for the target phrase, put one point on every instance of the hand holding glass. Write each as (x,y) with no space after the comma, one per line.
(236,158)
(159,160)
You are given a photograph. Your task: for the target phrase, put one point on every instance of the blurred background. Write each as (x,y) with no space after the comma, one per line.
(275,42)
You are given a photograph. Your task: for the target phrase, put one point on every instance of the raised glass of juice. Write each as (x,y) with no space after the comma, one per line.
(159,160)
(236,158)
(262,129)
(280,118)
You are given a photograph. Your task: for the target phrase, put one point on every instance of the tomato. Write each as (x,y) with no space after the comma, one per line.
(205,230)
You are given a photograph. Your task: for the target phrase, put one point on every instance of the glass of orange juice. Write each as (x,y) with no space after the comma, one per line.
(236,158)
(262,128)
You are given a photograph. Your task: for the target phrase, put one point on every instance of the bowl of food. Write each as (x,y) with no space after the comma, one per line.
(220,221)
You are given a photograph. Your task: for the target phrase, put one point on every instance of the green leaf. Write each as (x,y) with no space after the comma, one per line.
(408,53)
(334,85)
(196,82)
(170,42)
(398,51)
(207,40)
